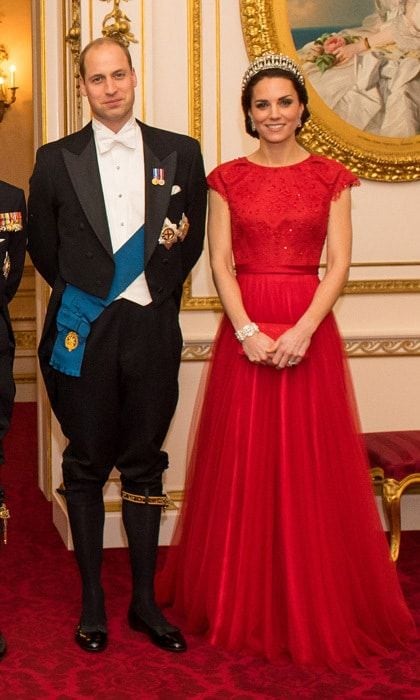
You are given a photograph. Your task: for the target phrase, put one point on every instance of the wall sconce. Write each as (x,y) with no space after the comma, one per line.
(7,83)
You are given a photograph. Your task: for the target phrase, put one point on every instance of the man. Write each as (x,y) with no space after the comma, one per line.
(12,260)
(116,222)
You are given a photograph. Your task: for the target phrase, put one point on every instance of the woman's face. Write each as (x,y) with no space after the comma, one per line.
(275,109)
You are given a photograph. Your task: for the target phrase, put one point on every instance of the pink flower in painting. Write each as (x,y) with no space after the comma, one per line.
(333,42)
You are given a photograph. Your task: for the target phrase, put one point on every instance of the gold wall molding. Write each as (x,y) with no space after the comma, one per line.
(25,293)
(25,340)
(73,35)
(383,347)
(196,351)
(386,263)
(192,303)
(195,121)
(195,118)
(391,286)
(73,38)
(375,346)
(382,286)
(21,378)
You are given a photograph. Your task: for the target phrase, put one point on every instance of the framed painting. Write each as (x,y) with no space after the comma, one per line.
(365,108)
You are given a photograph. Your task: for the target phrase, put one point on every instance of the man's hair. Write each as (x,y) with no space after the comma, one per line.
(102,41)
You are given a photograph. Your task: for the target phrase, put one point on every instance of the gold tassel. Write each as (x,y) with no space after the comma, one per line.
(4,517)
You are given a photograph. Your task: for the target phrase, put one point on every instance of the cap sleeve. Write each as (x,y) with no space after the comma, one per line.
(344,178)
(216,182)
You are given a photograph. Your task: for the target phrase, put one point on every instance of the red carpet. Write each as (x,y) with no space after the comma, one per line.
(39,606)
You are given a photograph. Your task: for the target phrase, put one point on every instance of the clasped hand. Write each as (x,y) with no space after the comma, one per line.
(286,351)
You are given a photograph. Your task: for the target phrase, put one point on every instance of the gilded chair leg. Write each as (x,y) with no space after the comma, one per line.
(391,495)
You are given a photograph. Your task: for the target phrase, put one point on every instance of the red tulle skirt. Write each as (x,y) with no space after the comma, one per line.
(279,549)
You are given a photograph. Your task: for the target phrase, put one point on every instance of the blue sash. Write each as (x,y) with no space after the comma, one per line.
(79,309)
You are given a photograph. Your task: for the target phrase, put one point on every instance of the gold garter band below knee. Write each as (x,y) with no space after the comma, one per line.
(163,501)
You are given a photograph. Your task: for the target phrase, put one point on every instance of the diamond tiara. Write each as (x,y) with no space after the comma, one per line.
(272,60)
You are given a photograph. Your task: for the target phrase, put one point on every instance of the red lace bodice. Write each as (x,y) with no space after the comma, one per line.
(279,215)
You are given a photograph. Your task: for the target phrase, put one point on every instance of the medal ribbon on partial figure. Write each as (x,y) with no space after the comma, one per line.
(11,221)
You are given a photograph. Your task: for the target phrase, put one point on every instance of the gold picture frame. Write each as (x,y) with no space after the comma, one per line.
(266,27)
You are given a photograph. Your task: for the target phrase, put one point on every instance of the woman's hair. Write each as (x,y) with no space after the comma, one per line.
(255,73)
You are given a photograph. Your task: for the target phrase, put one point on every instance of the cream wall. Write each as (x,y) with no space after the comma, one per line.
(177,39)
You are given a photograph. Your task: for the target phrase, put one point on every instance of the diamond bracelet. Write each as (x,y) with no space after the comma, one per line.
(246,331)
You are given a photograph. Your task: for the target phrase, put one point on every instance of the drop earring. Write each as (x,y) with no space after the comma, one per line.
(251,123)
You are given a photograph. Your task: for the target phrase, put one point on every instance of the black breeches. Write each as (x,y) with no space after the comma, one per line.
(119,411)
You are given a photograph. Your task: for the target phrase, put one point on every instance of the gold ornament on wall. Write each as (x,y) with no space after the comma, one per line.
(73,36)
(73,39)
(7,82)
(117,25)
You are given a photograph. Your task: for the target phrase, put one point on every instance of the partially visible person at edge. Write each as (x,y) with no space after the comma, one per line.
(116,223)
(280,550)
(12,260)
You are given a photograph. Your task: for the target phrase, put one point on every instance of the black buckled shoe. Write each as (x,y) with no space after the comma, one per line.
(3,646)
(170,639)
(91,641)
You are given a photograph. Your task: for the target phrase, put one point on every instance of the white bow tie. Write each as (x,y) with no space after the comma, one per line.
(127,138)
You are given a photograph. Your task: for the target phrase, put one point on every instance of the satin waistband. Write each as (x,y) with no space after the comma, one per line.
(250,269)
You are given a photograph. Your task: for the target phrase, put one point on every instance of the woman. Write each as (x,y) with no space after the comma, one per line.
(280,547)
(375,81)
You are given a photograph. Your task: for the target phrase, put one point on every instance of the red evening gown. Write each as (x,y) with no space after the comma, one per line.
(279,549)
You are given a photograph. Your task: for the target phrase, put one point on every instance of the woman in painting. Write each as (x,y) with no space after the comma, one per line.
(280,550)
(370,75)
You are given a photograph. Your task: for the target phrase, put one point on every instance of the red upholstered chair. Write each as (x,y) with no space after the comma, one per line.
(394,459)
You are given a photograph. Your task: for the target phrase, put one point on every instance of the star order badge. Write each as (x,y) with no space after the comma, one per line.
(168,236)
(183,227)
(171,233)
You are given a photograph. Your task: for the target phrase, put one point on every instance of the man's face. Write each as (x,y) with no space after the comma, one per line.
(109,85)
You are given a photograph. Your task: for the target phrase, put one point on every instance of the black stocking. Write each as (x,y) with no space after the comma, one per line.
(87,516)
(142,522)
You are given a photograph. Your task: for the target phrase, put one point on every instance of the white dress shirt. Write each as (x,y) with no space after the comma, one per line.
(121,168)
